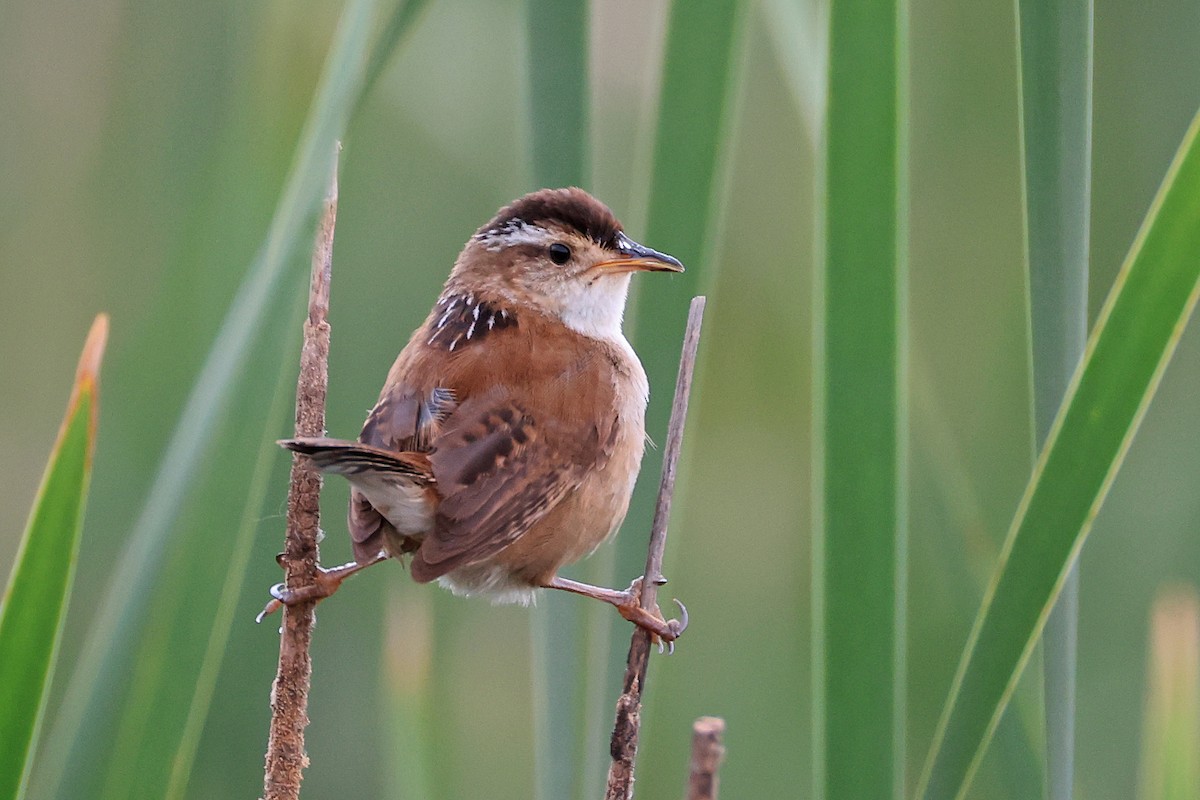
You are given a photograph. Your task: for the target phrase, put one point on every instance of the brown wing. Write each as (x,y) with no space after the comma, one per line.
(403,421)
(498,470)
(358,461)
(355,458)
(367,527)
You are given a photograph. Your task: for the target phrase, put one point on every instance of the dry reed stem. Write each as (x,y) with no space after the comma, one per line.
(625,731)
(707,755)
(286,759)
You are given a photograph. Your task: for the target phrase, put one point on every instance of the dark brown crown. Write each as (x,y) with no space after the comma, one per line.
(571,209)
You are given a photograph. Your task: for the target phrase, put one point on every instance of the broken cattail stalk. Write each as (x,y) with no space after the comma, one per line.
(286,759)
(707,754)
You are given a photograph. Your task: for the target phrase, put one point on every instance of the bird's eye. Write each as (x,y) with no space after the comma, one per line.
(559,253)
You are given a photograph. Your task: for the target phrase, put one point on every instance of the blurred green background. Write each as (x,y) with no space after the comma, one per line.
(144,146)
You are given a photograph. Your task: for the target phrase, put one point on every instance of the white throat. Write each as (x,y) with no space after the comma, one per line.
(595,309)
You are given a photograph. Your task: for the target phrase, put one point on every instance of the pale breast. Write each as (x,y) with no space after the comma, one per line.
(595,510)
(632,392)
(596,389)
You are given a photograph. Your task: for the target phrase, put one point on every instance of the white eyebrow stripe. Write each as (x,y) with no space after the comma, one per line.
(512,235)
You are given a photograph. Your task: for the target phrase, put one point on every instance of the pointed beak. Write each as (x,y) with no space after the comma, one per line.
(638,258)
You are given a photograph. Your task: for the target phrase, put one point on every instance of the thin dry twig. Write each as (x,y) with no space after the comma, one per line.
(286,759)
(625,732)
(707,755)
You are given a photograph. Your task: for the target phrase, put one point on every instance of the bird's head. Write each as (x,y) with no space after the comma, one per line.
(562,252)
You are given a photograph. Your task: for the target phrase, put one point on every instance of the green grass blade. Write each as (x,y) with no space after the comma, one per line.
(404,17)
(1171,732)
(408,661)
(35,600)
(798,34)
(692,141)
(123,609)
(685,183)
(556,39)
(858,558)
(1056,71)
(239,560)
(1060,645)
(1055,52)
(559,639)
(1127,352)
(1020,736)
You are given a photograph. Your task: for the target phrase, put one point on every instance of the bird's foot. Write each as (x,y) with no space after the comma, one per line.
(663,631)
(325,583)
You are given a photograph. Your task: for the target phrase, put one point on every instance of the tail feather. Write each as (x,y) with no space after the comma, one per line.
(344,457)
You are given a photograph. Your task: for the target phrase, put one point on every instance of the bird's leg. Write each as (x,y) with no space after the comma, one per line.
(629,604)
(325,583)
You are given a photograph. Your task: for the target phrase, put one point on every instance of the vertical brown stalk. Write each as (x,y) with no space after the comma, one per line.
(286,759)
(629,705)
(707,754)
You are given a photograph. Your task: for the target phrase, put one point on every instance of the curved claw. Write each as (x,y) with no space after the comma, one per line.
(323,587)
(280,595)
(676,626)
(324,583)
(283,596)
(681,624)
(270,608)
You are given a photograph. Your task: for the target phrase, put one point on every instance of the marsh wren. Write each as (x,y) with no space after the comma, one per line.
(507,439)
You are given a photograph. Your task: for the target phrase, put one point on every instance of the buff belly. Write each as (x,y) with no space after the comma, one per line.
(579,524)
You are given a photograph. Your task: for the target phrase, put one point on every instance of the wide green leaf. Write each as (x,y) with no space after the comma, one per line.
(693,139)
(1133,340)
(76,753)
(557,41)
(1055,49)
(222,619)
(35,600)
(557,63)
(404,17)
(858,517)
(689,149)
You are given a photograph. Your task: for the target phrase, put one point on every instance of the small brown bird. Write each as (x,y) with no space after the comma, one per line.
(507,439)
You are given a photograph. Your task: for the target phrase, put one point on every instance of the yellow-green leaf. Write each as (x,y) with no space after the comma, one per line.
(1136,334)
(35,599)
